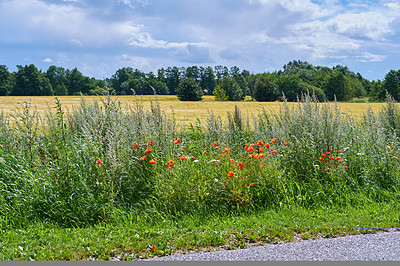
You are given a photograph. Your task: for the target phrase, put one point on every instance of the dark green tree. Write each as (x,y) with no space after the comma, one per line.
(29,81)
(57,78)
(391,84)
(232,89)
(208,82)
(241,81)
(189,90)
(77,83)
(335,87)
(6,81)
(265,89)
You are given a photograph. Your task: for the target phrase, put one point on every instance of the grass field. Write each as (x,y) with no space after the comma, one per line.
(186,112)
(92,181)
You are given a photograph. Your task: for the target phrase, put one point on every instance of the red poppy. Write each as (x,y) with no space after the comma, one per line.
(273,140)
(171,163)
(154,248)
(214,144)
(152,161)
(230,174)
(201,178)
(240,165)
(250,149)
(232,165)
(321,159)
(251,155)
(274,151)
(148,150)
(204,152)
(232,160)
(246,147)
(260,143)
(261,155)
(241,178)
(251,184)
(339,161)
(143,158)
(339,151)
(323,155)
(150,143)
(260,149)
(170,169)
(192,158)
(227,150)
(286,143)
(325,170)
(136,146)
(267,145)
(182,157)
(261,165)
(98,162)
(177,141)
(346,167)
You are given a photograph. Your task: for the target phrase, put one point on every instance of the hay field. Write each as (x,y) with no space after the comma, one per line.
(186,112)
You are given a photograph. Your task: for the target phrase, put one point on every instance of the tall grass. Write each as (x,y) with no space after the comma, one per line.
(81,167)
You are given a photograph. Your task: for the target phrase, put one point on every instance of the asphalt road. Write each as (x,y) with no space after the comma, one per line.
(365,247)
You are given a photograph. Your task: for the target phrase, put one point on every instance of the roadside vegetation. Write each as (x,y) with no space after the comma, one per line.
(101,181)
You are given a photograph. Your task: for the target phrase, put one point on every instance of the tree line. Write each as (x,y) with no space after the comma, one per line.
(191,83)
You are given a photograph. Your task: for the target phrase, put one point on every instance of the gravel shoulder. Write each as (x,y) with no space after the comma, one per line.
(381,246)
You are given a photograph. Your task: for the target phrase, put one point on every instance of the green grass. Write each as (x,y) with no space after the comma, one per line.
(132,239)
(102,181)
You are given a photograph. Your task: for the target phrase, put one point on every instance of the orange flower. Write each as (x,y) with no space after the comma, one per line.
(251,155)
(261,155)
(154,248)
(150,143)
(273,140)
(267,145)
(286,143)
(261,149)
(148,150)
(323,155)
(214,144)
(345,167)
(240,165)
(250,149)
(171,163)
(327,153)
(143,158)
(227,150)
(339,161)
(136,146)
(325,170)
(201,178)
(261,165)
(337,158)
(232,160)
(182,157)
(170,169)
(321,159)
(204,152)
(98,162)
(260,143)
(246,147)
(251,184)
(232,165)
(274,151)
(152,161)
(230,174)
(177,141)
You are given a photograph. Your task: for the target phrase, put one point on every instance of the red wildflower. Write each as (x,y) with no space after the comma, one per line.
(241,178)
(251,184)
(337,158)
(98,162)
(273,140)
(246,147)
(267,145)
(327,153)
(170,169)
(240,165)
(261,149)
(152,161)
(232,160)
(143,158)
(286,143)
(250,149)
(136,146)
(339,151)
(339,161)
(261,155)
(260,143)
(192,158)
(230,174)
(171,163)
(232,165)
(227,150)
(345,167)
(325,170)
(323,155)
(148,150)
(321,159)
(261,165)
(177,141)
(201,178)
(150,143)
(214,144)
(204,152)
(251,155)
(274,151)
(182,157)
(154,248)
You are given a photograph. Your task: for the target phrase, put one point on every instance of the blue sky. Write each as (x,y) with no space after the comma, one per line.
(99,37)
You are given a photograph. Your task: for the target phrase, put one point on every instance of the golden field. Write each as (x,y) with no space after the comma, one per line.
(186,112)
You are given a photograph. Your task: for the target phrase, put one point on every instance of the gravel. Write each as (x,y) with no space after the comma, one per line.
(365,247)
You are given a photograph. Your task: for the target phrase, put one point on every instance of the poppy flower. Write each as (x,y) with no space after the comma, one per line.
(227,150)
(214,144)
(154,248)
(177,141)
(274,151)
(339,151)
(148,150)
(251,155)
(346,167)
(143,158)
(261,149)
(325,170)
(328,153)
(323,155)
(224,185)
(232,160)
(260,143)
(98,162)
(152,161)
(182,157)
(246,147)
(250,149)
(339,161)
(136,146)
(192,158)
(201,178)
(170,169)
(261,165)
(232,165)
(240,165)
(241,178)
(251,184)
(286,143)
(171,163)
(267,145)
(204,152)
(337,158)
(230,174)
(273,140)
(261,155)
(150,143)
(321,159)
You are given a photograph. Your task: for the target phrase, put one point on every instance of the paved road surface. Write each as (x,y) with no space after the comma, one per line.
(367,247)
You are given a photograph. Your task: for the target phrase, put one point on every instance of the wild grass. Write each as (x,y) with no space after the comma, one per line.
(102,164)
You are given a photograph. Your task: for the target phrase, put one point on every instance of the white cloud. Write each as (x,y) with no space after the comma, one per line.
(47,60)
(366,57)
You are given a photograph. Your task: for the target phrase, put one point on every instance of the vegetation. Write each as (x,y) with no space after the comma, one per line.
(297,77)
(105,171)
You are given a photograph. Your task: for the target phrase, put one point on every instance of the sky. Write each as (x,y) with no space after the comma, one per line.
(101,36)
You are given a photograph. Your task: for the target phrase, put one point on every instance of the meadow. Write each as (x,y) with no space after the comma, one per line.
(97,179)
